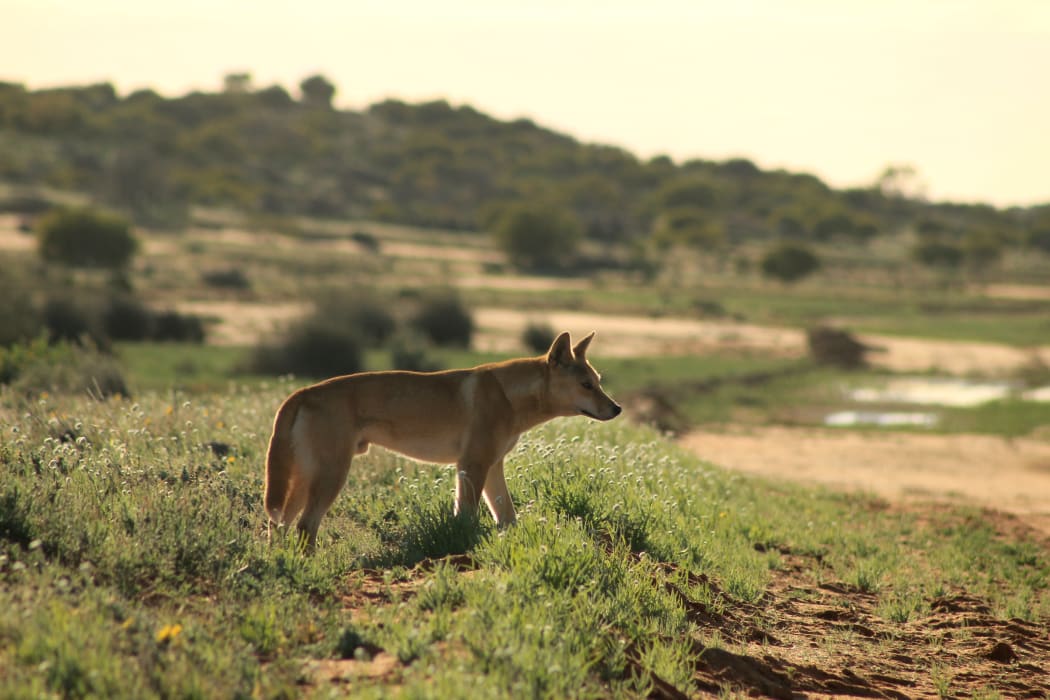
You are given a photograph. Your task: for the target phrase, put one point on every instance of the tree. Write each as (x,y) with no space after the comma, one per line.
(789,262)
(699,192)
(901,180)
(690,226)
(86,237)
(538,236)
(317,91)
(237,83)
(1039,239)
(137,179)
(938,255)
(274,97)
(982,249)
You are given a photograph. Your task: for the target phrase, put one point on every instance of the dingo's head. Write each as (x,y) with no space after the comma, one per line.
(575,387)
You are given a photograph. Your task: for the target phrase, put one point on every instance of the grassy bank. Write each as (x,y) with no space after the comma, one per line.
(134,562)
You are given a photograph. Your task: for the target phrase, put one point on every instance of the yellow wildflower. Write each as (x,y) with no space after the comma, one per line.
(168,633)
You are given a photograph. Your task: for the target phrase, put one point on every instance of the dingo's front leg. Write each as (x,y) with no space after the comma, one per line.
(497,497)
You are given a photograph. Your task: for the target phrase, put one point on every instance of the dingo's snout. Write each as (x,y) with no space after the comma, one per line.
(614,410)
(606,410)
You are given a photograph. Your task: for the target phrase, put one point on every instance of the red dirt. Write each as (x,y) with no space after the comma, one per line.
(807,638)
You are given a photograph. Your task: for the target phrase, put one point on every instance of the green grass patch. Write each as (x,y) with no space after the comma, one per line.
(1008,418)
(134,559)
(186,366)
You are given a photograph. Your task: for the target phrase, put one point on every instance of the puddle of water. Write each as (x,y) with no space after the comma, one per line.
(881,418)
(933,391)
(924,391)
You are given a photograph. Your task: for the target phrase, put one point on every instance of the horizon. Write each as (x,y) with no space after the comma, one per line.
(837,92)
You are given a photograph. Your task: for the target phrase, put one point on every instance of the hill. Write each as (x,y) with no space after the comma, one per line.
(432,164)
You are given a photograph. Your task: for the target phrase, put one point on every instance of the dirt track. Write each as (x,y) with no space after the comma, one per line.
(1007,475)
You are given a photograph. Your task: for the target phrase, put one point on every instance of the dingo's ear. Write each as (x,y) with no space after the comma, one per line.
(561,351)
(581,347)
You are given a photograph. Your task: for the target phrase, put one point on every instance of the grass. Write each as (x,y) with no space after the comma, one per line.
(185,366)
(703,389)
(134,560)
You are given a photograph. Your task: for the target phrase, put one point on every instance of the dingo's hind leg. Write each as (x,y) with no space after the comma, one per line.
(296,500)
(294,503)
(328,479)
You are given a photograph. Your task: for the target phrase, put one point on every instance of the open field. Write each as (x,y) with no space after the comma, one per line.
(755,553)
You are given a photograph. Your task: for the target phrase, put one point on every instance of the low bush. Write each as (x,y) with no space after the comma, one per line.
(360,313)
(127,318)
(85,237)
(73,321)
(40,366)
(20,318)
(171,326)
(311,348)
(444,320)
(366,240)
(409,352)
(789,262)
(228,278)
(538,337)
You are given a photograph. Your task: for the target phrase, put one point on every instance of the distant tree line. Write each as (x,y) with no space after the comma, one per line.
(266,151)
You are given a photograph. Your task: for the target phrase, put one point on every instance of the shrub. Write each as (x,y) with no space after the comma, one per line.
(836,347)
(538,337)
(409,352)
(311,348)
(366,240)
(127,318)
(1039,239)
(175,327)
(789,262)
(937,254)
(539,237)
(72,321)
(982,249)
(39,366)
(360,313)
(229,278)
(20,318)
(26,204)
(85,237)
(444,320)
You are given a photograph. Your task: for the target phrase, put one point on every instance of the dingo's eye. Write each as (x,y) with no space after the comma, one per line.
(587,385)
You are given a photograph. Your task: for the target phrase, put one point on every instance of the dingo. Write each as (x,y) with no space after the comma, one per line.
(472,417)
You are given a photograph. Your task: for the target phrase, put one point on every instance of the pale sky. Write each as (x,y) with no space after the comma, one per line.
(960,89)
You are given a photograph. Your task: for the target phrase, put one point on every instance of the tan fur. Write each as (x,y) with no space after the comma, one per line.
(469,417)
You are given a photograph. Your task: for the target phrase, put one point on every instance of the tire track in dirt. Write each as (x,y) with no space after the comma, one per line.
(806,637)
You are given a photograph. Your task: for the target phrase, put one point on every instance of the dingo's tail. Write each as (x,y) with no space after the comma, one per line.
(280,461)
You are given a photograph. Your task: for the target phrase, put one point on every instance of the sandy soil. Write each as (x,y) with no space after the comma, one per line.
(235,323)
(1008,475)
(13,239)
(1021,292)
(627,336)
(634,336)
